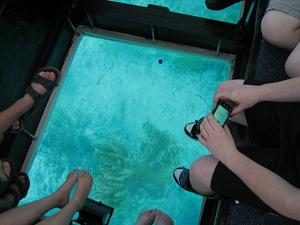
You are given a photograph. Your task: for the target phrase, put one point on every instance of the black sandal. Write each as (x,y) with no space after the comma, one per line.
(46,83)
(19,189)
(193,129)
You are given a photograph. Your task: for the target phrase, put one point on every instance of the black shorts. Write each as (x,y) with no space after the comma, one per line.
(276,127)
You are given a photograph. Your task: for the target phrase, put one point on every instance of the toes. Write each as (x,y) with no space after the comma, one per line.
(86,175)
(72,174)
(48,75)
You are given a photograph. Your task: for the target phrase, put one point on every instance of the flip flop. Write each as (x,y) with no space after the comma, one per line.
(4,179)
(46,83)
(184,182)
(193,129)
(19,189)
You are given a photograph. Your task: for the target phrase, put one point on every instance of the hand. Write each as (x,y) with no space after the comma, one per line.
(216,139)
(245,96)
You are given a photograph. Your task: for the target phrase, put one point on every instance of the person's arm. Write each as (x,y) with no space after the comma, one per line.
(282,91)
(246,96)
(269,187)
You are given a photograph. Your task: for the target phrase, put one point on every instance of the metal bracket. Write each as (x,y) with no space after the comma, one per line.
(77,31)
(153,34)
(218,48)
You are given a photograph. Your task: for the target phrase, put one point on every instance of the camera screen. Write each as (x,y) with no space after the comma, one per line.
(221,115)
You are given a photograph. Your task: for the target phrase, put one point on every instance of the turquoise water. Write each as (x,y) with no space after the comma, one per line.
(120,113)
(193,8)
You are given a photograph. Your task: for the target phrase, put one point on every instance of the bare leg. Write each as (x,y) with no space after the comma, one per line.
(292,65)
(64,216)
(201,173)
(146,218)
(30,213)
(10,115)
(163,219)
(281,29)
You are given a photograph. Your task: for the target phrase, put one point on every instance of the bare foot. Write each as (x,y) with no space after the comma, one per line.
(146,218)
(85,182)
(163,219)
(63,193)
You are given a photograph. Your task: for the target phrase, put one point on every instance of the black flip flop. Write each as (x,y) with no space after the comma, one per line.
(193,129)
(19,189)
(184,182)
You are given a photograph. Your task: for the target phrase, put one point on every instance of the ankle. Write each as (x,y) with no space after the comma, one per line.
(56,198)
(77,203)
(27,101)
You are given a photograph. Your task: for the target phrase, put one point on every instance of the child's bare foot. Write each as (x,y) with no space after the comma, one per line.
(63,192)
(163,219)
(146,218)
(85,182)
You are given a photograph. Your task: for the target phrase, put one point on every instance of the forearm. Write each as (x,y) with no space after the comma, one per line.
(272,189)
(282,91)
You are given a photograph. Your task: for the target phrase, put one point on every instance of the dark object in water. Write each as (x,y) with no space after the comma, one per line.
(94,213)
(160,61)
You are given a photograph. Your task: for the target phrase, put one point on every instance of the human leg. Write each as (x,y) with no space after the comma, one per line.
(201,173)
(21,106)
(65,215)
(198,178)
(30,213)
(281,24)
(162,219)
(292,65)
(146,218)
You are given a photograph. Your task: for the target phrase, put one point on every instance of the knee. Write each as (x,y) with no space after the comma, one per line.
(202,170)
(270,29)
(292,67)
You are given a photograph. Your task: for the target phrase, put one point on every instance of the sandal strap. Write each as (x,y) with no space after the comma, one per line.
(196,128)
(33,94)
(22,187)
(46,83)
(13,190)
(184,179)
(25,185)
